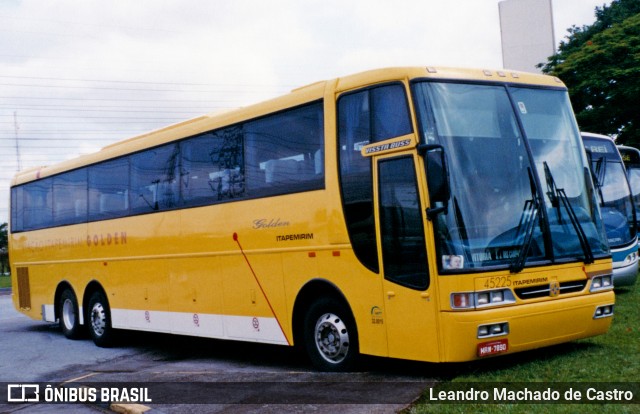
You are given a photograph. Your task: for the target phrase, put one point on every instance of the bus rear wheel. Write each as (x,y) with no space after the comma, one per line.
(99,320)
(330,336)
(68,315)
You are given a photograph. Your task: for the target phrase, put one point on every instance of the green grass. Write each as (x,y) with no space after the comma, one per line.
(5,281)
(610,358)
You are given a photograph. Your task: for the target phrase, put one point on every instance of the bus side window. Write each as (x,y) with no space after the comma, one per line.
(154,179)
(70,197)
(39,199)
(17,209)
(283,152)
(213,167)
(390,112)
(109,189)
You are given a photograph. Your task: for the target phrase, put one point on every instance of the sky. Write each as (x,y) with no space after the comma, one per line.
(76,75)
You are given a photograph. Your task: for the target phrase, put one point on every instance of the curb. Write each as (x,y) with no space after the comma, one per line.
(129,408)
(5,291)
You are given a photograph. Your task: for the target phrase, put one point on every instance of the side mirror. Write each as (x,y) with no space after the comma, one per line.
(437,178)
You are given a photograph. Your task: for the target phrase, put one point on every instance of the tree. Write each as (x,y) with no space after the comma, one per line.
(4,252)
(600,64)
(4,227)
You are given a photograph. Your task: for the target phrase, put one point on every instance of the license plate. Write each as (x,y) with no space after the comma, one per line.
(493,347)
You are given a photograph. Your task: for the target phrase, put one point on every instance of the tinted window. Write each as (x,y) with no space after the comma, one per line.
(284,152)
(403,244)
(630,156)
(109,189)
(154,179)
(390,114)
(38,204)
(364,117)
(17,205)
(213,167)
(70,197)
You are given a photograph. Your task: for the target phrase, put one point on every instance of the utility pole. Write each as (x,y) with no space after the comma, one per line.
(16,129)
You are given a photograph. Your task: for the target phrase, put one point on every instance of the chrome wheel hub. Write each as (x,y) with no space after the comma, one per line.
(332,338)
(98,319)
(68,314)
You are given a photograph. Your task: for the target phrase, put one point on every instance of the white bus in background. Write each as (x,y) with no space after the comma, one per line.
(631,159)
(616,205)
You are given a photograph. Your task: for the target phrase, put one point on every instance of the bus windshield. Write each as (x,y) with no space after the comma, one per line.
(520,186)
(633,173)
(614,193)
(631,159)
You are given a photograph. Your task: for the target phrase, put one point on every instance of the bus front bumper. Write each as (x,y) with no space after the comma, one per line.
(528,326)
(625,275)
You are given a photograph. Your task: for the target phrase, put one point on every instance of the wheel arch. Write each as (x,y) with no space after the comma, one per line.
(310,292)
(93,286)
(62,286)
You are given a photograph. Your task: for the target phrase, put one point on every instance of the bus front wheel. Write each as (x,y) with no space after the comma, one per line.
(68,314)
(330,336)
(99,320)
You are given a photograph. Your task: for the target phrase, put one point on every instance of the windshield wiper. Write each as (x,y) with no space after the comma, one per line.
(462,230)
(526,226)
(559,198)
(598,174)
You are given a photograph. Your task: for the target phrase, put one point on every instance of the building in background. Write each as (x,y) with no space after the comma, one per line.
(526,28)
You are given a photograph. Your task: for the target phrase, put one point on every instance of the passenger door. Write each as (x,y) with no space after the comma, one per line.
(409,293)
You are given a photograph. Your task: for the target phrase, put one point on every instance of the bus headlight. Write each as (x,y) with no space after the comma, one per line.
(497,296)
(600,283)
(482,299)
(631,258)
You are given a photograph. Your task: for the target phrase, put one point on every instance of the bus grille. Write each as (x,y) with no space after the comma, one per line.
(24,291)
(542,291)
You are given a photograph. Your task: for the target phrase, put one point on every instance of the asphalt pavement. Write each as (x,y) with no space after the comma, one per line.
(178,374)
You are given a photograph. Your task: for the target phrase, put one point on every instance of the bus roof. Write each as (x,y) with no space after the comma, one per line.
(597,136)
(298,96)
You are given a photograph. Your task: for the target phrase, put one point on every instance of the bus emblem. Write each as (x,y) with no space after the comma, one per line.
(376,316)
(554,288)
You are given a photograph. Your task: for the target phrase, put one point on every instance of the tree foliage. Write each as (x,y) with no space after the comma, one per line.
(600,64)
(4,235)
(4,254)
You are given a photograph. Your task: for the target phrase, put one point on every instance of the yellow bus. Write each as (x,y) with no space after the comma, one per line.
(423,213)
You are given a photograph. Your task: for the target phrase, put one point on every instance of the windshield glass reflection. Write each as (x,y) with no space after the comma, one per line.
(496,211)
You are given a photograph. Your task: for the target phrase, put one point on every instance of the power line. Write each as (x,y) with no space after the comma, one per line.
(15,121)
(75,109)
(76,139)
(168,100)
(107,121)
(91,117)
(125,89)
(100,106)
(74,131)
(253,86)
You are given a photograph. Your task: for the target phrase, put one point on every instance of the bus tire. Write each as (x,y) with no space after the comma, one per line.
(99,320)
(69,317)
(330,336)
